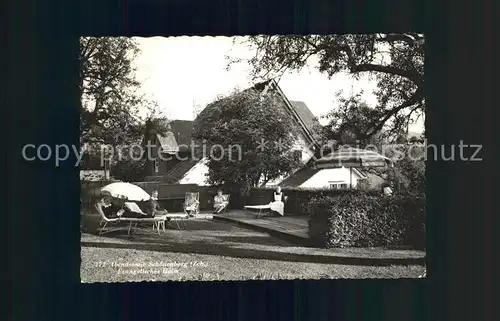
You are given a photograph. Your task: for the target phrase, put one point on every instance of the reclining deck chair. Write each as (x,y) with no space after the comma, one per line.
(263,208)
(105,220)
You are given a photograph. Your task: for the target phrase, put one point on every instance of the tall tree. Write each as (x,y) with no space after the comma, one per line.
(395,60)
(348,123)
(107,89)
(252,135)
(131,165)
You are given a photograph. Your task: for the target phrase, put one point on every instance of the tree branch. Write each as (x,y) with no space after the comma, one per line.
(416,98)
(411,75)
(398,37)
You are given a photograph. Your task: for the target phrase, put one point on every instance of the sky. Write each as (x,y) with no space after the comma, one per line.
(181,72)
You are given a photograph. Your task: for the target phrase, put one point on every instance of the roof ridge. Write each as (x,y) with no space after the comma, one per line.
(294,111)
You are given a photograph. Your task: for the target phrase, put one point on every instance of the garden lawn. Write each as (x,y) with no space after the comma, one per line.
(211,250)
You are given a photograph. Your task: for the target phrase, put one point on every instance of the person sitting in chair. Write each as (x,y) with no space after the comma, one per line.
(220,202)
(277,205)
(191,205)
(153,207)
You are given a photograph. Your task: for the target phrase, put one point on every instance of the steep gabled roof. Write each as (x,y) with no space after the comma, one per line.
(178,171)
(307,116)
(300,112)
(299,177)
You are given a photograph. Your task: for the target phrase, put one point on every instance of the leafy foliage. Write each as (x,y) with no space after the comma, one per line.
(348,124)
(107,88)
(237,125)
(357,219)
(396,61)
(408,174)
(129,170)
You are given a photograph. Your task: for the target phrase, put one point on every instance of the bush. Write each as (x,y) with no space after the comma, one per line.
(360,219)
(414,215)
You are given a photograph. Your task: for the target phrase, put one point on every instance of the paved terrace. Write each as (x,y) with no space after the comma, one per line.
(294,229)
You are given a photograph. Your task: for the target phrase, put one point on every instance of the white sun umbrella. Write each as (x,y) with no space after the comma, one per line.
(126,191)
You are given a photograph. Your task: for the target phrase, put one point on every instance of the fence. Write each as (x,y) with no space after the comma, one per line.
(297,199)
(171,196)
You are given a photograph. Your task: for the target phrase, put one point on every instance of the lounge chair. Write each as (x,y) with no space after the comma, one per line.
(262,208)
(105,220)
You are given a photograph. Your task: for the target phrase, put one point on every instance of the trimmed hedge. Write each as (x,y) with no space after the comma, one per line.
(360,219)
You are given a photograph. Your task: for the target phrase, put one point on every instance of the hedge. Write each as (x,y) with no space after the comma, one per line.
(360,219)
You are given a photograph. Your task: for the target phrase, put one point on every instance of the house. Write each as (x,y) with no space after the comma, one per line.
(307,140)
(322,174)
(177,162)
(171,154)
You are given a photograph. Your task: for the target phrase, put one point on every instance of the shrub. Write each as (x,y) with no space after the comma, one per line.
(360,219)
(414,215)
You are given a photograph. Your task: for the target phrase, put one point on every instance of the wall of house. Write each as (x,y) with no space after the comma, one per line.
(327,176)
(307,154)
(197,174)
(94,175)
(301,144)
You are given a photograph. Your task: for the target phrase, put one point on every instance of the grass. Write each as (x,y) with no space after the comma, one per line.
(211,250)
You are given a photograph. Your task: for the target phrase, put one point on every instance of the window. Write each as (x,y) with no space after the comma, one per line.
(157,165)
(338,185)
